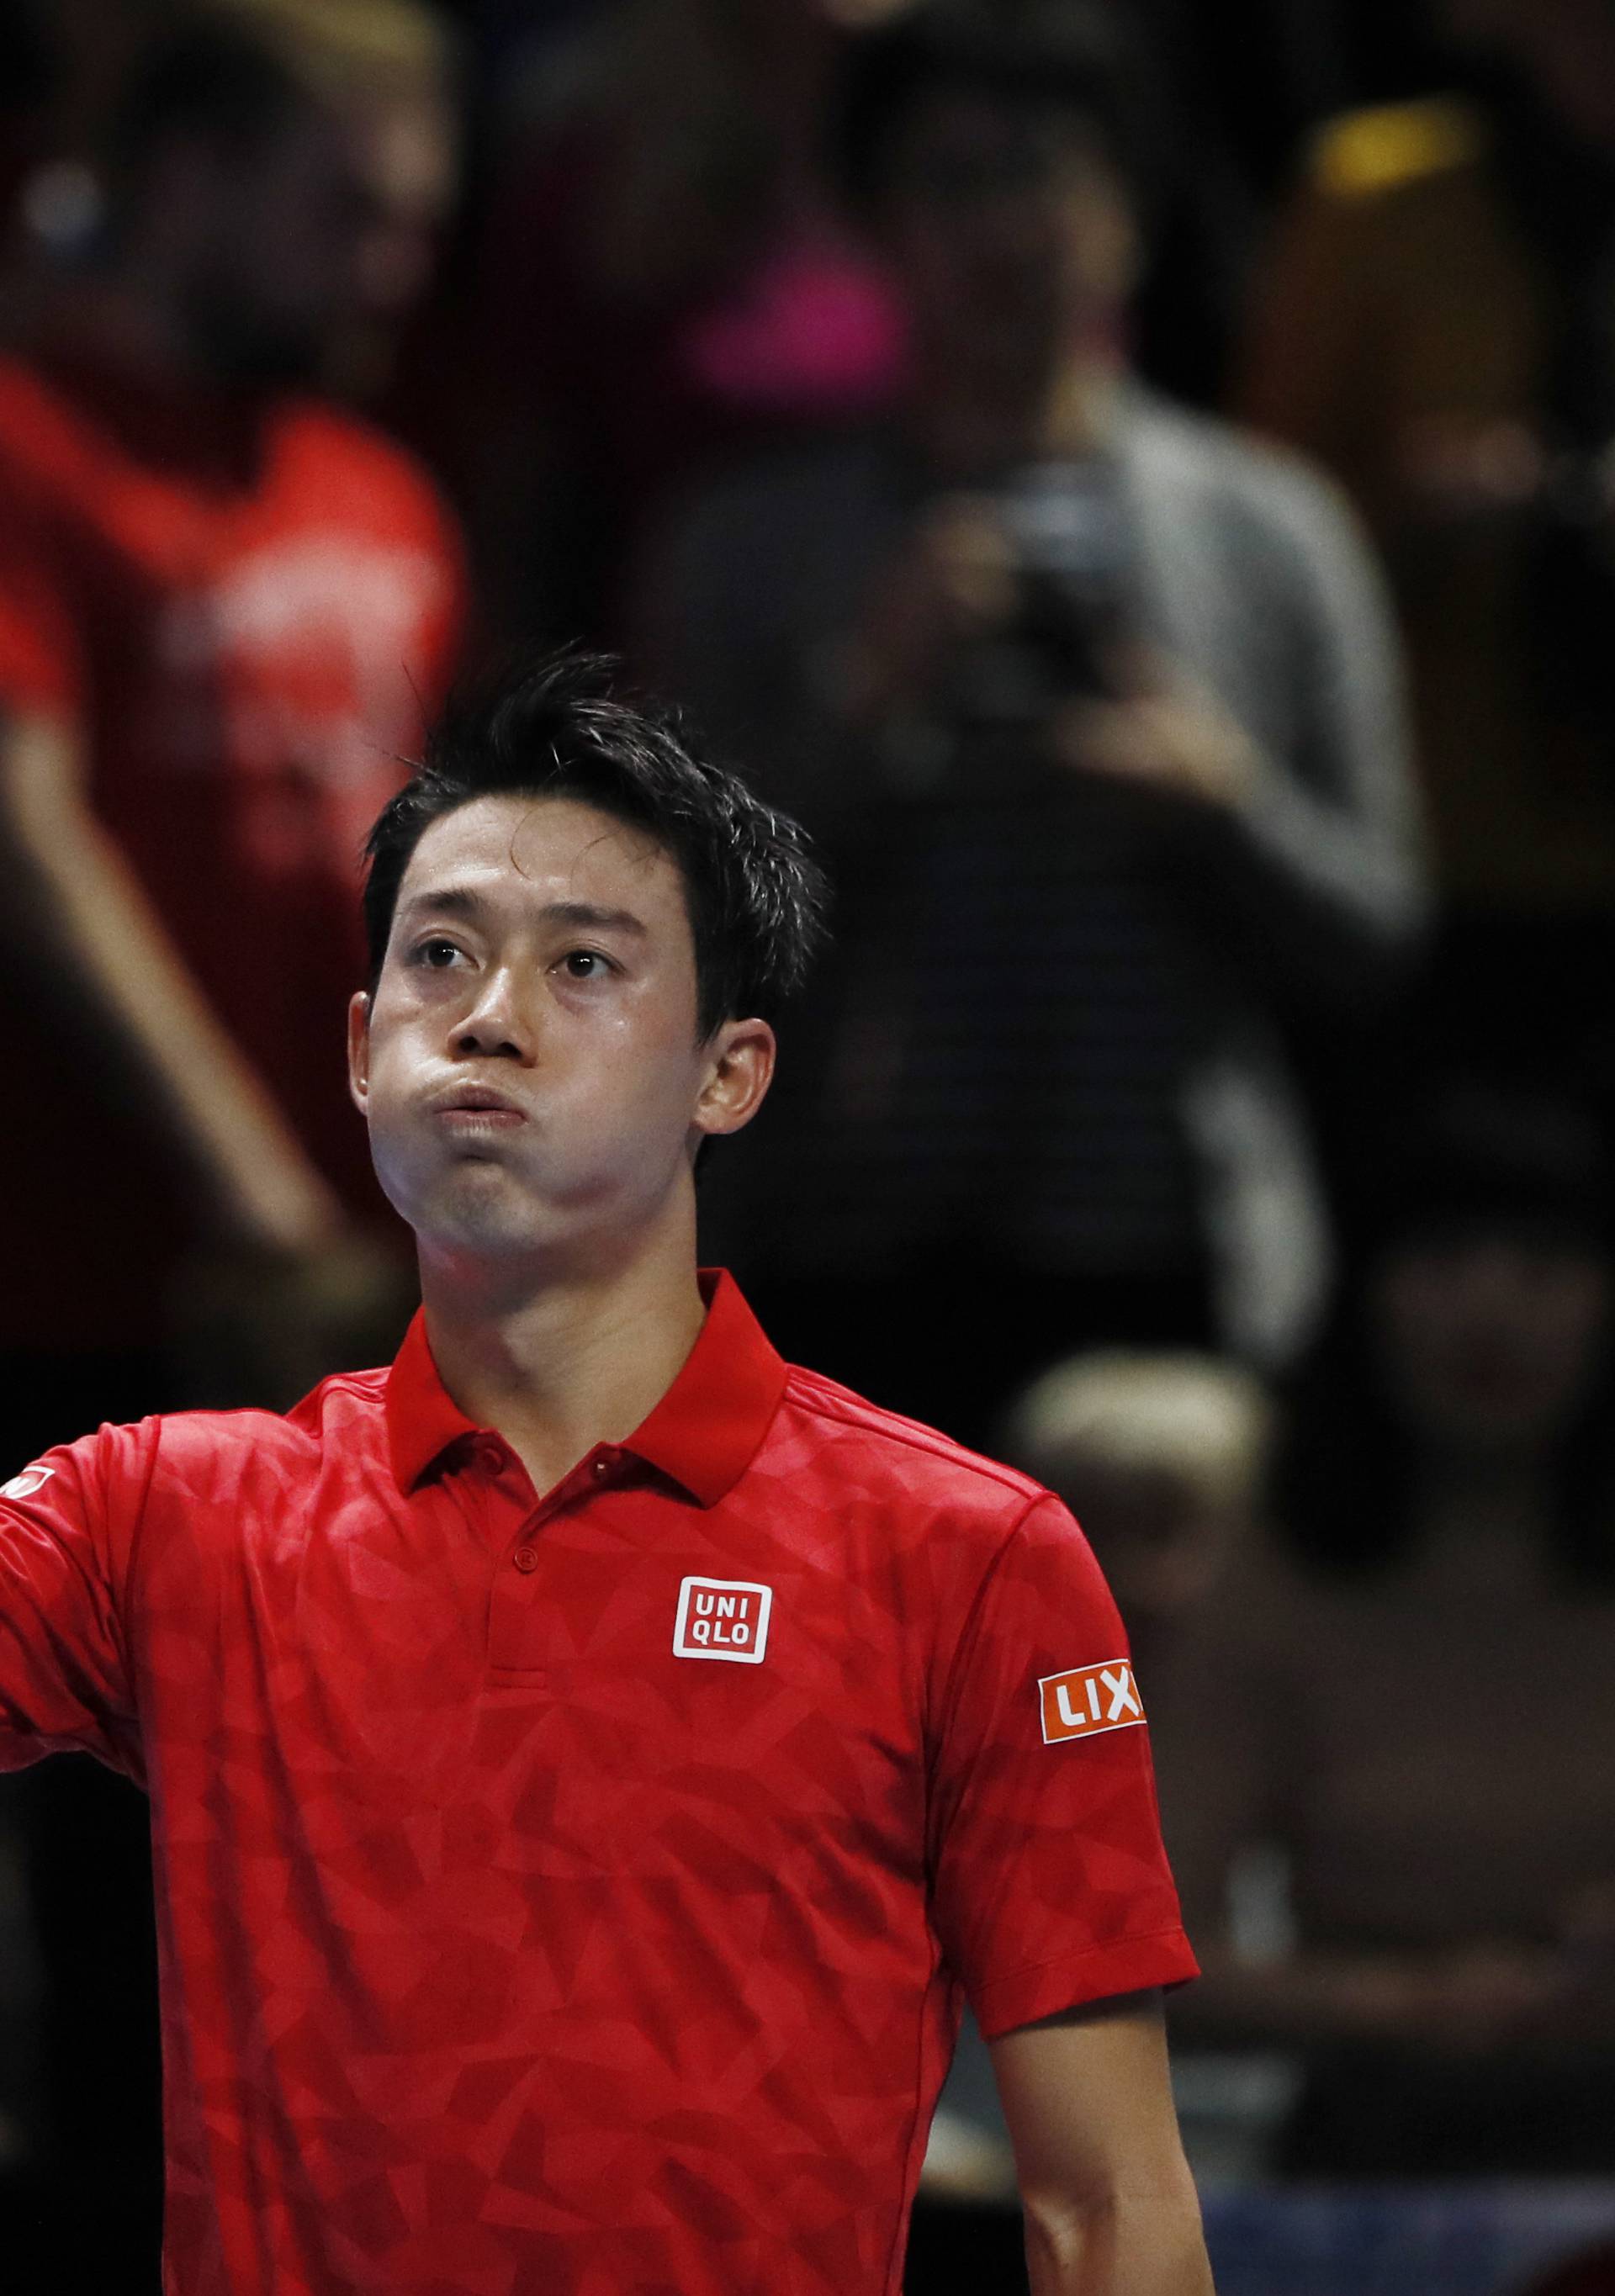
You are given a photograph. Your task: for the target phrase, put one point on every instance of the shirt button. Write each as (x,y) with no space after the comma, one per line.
(526,1558)
(600,1470)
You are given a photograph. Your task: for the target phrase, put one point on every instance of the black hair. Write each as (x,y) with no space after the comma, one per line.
(1475,1162)
(562,727)
(201,78)
(1070,54)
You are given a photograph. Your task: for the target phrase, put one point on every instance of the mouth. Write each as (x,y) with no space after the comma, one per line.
(479,1104)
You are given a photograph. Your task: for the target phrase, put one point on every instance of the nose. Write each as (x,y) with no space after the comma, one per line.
(498,1024)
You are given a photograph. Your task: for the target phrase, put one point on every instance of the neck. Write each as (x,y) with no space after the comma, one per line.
(979,417)
(568,1358)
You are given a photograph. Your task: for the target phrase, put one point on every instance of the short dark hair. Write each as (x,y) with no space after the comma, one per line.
(205,79)
(562,727)
(1072,55)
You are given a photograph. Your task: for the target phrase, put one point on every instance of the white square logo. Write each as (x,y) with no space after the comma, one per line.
(722,1617)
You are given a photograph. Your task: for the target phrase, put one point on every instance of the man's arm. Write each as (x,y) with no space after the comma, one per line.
(1110,2208)
(96,953)
(67,1525)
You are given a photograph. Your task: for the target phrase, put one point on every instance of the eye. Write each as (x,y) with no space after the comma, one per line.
(435,955)
(585,964)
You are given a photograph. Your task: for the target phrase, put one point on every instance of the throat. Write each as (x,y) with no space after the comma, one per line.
(567,1371)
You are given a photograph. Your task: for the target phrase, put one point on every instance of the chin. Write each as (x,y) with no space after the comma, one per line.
(481,1219)
(466,1207)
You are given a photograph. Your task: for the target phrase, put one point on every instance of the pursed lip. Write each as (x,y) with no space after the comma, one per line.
(474,1100)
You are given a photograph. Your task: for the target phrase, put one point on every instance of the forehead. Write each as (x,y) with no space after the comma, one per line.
(529,851)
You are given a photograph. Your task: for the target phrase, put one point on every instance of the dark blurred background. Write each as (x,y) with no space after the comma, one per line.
(1138,480)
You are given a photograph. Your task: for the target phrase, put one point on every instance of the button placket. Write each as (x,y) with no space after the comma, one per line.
(517,1623)
(517,1644)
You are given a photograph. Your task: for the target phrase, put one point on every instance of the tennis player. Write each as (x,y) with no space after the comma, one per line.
(590,1763)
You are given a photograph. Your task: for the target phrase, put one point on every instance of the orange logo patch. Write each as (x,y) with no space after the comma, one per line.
(1088,1700)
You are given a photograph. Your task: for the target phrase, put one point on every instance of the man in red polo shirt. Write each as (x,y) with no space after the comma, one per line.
(590,1762)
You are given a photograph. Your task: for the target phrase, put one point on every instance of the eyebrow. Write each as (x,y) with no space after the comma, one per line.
(461,901)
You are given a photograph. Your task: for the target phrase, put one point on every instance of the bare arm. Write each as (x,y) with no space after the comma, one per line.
(1110,2208)
(99,953)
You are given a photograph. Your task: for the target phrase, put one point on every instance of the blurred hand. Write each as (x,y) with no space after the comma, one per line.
(1165,732)
(251,1326)
(954,580)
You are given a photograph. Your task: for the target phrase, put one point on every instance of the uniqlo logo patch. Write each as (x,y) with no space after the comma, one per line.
(1089,1700)
(723,1618)
(24,1486)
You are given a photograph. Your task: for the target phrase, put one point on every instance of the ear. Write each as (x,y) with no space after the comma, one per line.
(358,1051)
(739,1072)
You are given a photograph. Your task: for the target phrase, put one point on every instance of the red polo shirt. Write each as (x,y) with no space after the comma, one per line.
(579,1893)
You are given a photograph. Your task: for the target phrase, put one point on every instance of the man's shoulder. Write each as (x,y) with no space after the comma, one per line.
(344,450)
(56,444)
(855,1444)
(343,1415)
(1220,475)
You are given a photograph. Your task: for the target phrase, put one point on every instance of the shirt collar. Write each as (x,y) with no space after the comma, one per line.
(704,1433)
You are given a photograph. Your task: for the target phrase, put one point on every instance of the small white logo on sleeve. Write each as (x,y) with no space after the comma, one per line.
(1089,1700)
(723,1618)
(24,1486)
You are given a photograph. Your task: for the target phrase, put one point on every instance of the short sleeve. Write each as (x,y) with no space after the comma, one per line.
(66,1525)
(1050,1884)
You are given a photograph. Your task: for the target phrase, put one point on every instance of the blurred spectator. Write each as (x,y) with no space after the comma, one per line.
(388,71)
(1435,324)
(1160,1457)
(664,277)
(1413,1692)
(1096,705)
(224,605)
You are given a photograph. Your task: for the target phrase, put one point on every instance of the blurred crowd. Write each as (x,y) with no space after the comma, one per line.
(1139,482)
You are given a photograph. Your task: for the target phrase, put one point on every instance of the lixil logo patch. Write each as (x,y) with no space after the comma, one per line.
(723,1618)
(1088,1700)
(24,1486)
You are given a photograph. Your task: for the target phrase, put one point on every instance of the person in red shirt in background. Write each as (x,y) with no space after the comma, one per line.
(225,605)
